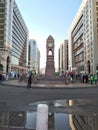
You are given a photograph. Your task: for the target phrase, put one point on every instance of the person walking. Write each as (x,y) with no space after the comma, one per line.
(91,78)
(83,78)
(86,78)
(29,81)
(95,79)
(67,79)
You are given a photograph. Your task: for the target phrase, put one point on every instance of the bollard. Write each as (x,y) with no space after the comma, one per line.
(42,117)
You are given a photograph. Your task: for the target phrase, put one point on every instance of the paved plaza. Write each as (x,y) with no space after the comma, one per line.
(15,82)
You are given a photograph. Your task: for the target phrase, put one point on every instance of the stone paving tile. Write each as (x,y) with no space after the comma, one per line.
(17,83)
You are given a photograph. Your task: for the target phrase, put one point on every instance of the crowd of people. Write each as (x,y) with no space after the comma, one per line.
(90,78)
(80,77)
(69,77)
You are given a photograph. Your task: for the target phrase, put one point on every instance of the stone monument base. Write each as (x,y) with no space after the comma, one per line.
(50,80)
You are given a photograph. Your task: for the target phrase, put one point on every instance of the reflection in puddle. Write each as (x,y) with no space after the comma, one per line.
(56,121)
(78,122)
(63,115)
(12,119)
(30,120)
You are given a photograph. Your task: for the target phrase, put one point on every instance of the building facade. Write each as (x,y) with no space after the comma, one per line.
(33,56)
(83,38)
(63,56)
(13,38)
(38,61)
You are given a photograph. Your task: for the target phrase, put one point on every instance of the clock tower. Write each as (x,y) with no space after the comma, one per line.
(50,69)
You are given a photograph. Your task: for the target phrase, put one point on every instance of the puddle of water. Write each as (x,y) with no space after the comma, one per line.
(56,121)
(63,115)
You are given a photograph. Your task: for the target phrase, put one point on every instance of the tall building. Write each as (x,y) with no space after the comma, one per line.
(63,56)
(13,38)
(83,38)
(38,61)
(33,56)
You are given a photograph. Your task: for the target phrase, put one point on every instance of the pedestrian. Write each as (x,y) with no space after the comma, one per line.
(29,81)
(86,78)
(66,79)
(91,78)
(7,76)
(95,79)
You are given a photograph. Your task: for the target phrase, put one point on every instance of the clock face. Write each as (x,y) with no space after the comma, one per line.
(50,44)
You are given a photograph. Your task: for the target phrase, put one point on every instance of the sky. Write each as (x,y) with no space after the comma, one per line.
(48,17)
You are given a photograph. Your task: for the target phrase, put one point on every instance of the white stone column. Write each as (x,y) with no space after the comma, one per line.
(42,117)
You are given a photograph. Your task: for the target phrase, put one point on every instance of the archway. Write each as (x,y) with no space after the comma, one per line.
(50,52)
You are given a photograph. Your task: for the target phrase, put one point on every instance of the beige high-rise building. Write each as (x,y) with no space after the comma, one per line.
(63,56)
(83,38)
(13,38)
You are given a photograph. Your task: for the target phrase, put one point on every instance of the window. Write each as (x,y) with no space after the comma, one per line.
(97,13)
(96,3)
(97,8)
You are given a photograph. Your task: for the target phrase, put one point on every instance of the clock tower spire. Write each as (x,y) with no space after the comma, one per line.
(50,69)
